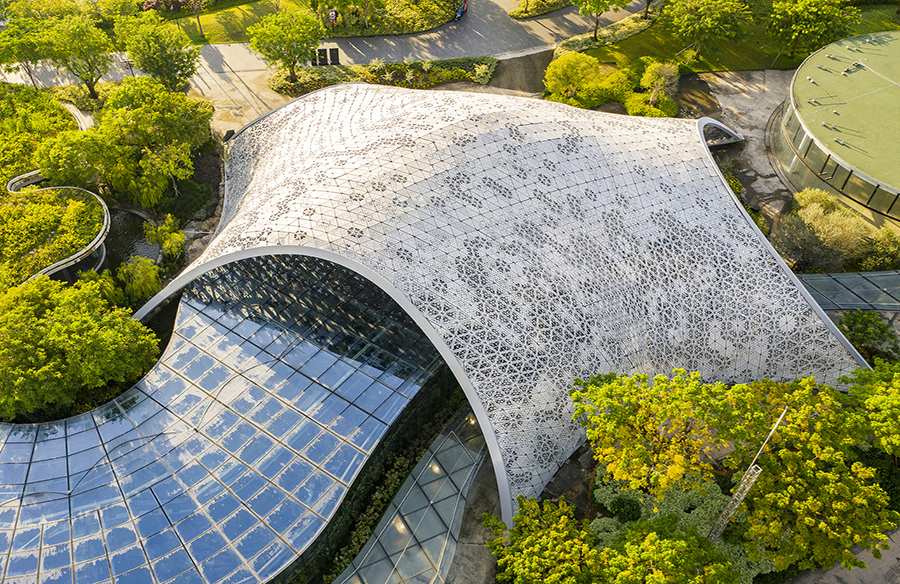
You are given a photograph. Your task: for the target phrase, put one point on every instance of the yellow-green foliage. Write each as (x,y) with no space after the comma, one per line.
(41,227)
(532,8)
(61,345)
(412,74)
(623,417)
(575,79)
(168,236)
(821,235)
(814,500)
(140,279)
(546,544)
(27,117)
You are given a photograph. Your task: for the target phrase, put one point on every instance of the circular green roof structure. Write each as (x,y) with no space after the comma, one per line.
(847,96)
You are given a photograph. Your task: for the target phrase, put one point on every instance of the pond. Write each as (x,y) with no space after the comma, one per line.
(126,238)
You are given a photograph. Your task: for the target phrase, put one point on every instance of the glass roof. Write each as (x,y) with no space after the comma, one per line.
(415,541)
(855,290)
(229,457)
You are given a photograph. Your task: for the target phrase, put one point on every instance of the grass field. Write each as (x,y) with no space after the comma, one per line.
(754,49)
(227,21)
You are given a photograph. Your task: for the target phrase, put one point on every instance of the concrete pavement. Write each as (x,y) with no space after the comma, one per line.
(235,79)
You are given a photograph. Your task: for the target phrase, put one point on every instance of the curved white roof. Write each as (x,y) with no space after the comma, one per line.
(532,242)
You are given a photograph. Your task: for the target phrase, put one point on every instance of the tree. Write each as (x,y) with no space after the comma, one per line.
(41,9)
(883,252)
(878,392)
(140,279)
(143,142)
(167,235)
(659,78)
(814,500)
(546,545)
(286,38)
(570,74)
(811,24)
(23,44)
(657,551)
(821,235)
(594,9)
(871,335)
(701,21)
(160,51)
(649,434)
(60,343)
(197,7)
(82,49)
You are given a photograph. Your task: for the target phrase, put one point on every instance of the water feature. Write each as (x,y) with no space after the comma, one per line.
(126,238)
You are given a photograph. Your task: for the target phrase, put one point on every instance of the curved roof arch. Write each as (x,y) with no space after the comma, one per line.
(418,318)
(539,242)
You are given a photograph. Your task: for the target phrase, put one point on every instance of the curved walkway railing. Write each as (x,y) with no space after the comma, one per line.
(34,177)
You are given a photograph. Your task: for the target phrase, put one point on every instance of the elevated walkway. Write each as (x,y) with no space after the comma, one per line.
(855,290)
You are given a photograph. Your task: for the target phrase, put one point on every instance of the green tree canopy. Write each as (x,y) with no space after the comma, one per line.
(82,49)
(143,141)
(594,9)
(651,434)
(169,237)
(59,344)
(659,78)
(811,24)
(286,38)
(161,51)
(821,235)
(140,279)
(657,551)
(570,74)
(878,392)
(23,44)
(546,545)
(813,501)
(40,228)
(871,335)
(701,21)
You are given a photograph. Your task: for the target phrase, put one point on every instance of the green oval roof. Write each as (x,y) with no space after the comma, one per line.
(848,95)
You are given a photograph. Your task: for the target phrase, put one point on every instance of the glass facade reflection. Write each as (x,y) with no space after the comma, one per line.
(807,164)
(855,290)
(416,539)
(229,457)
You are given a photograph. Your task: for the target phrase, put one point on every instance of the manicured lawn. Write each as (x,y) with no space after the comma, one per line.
(227,23)
(755,49)
(876,18)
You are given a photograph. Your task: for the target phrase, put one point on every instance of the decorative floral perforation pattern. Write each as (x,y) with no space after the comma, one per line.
(541,242)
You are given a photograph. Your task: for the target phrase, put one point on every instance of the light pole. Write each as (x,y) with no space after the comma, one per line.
(753,472)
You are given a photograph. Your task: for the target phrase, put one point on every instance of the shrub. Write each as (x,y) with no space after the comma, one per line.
(567,77)
(821,235)
(411,74)
(638,104)
(625,509)
(40,228)
(608,35)
(28,116)
(872,336)
(140,279)
(532,8)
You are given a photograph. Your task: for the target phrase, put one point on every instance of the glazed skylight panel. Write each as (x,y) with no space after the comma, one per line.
(228,459)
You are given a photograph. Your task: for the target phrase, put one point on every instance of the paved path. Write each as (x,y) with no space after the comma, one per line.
(235,79)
